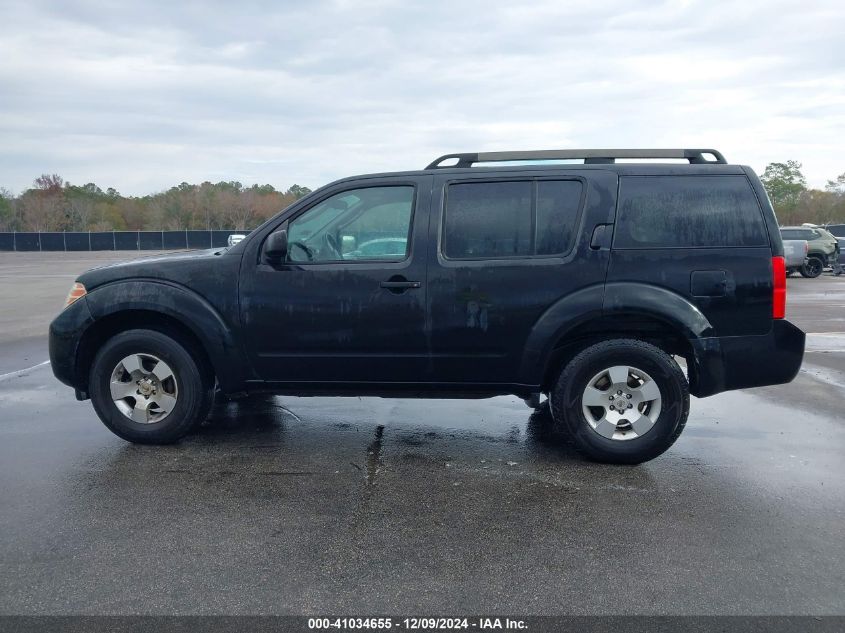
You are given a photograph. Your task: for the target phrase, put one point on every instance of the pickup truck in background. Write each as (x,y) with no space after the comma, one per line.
(795,253)
(824,248)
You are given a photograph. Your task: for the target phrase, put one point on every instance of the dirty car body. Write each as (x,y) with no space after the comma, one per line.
(510,277)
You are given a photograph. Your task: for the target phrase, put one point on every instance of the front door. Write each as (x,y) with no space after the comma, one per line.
(348,303)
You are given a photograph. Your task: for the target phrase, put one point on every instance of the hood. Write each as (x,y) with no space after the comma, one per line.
(172,266)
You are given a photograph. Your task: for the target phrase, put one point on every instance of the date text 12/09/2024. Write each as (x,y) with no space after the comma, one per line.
(417,624)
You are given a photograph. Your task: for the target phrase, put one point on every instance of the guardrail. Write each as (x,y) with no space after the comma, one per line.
(116,240)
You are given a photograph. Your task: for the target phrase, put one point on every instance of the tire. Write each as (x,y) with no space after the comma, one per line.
(180,387)
(813,268)
(650,424)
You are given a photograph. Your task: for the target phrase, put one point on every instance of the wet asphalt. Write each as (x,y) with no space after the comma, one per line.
(377,506)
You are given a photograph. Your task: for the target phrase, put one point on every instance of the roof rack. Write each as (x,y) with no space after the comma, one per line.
(590,156)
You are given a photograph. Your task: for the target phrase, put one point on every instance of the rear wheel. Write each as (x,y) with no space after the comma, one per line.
(621,401)
(813,268)
(150,388)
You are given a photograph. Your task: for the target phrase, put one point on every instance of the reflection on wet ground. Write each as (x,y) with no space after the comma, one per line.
(280,505)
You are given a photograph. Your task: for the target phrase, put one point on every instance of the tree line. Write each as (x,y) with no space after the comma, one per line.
(52,204)
(794,203)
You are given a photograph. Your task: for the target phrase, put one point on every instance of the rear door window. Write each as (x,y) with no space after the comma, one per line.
(524,218)
(688,212)
(558,203)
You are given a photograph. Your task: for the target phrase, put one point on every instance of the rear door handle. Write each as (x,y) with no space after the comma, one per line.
(601,237)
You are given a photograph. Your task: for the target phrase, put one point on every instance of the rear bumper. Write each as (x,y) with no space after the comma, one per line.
(739,362)
(65,334)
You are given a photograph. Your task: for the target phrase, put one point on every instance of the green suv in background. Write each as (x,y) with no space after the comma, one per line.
(823,248)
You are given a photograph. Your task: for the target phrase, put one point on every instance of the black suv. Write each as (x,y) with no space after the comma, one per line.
(477,276)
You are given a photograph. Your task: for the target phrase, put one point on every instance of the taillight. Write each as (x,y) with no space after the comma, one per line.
(778,287)
(76,292)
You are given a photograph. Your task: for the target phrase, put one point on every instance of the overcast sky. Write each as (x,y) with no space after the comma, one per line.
(143,95)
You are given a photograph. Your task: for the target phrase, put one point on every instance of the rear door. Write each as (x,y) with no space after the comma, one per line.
(505,247)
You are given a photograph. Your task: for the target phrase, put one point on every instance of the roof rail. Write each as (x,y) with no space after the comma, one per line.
(590,156)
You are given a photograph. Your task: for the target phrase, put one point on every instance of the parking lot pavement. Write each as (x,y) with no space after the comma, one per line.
(817,305)
(365,505)
(34,287)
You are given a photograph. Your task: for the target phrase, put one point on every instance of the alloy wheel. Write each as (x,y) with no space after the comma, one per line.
(621,403)
(144,388)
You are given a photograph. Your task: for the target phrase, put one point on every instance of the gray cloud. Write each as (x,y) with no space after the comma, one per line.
(141,97)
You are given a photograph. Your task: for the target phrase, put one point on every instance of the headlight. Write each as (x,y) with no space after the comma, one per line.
(77,291)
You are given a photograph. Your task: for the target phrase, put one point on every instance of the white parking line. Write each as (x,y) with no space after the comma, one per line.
(825,342)
(14,374)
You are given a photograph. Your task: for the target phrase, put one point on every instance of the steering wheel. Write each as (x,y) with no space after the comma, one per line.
(331,244)
(309,253)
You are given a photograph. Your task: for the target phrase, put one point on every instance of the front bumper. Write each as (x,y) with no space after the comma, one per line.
(66,332)
(739,362)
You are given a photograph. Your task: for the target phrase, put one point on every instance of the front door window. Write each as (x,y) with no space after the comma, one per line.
(370,224)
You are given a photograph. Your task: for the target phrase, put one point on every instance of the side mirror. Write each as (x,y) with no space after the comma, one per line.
(276,246)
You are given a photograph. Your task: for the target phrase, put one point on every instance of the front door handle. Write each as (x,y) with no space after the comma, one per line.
(397,284)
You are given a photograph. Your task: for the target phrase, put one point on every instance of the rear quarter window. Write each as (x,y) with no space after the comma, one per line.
(688,212)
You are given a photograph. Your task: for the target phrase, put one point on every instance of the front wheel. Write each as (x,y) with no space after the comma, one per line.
(150,388)
(813,268)
(621,401)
